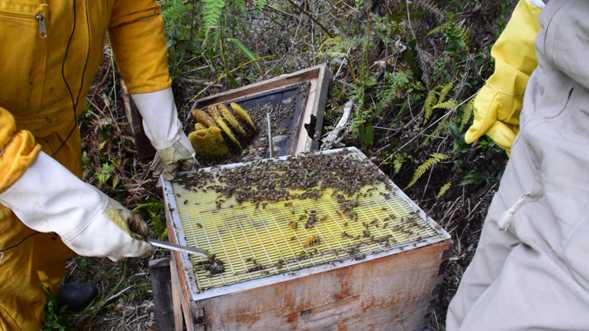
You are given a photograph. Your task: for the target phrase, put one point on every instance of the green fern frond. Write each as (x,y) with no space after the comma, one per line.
(447,105)
(330,42)
(444,189)
(425,166)
(431,100)
(444,92)
(212,12)
(466,114)
(441,28)
(398,162)
(260,4)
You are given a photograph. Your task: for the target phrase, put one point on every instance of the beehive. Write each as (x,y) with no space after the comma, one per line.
(294,221)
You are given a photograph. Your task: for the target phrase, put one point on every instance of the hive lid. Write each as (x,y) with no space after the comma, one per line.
(258,242)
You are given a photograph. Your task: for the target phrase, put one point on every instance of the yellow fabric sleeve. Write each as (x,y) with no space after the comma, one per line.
(18,150)
(499,102)
(136,35)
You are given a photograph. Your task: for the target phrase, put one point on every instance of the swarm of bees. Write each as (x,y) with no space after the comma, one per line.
(275,180)
(339,175)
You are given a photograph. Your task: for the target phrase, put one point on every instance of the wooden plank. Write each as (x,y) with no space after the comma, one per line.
(390,293)
(179,277)
(176,303)
(159,275)
(276,82)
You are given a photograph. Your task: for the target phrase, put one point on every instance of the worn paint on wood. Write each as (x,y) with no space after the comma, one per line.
(390,293)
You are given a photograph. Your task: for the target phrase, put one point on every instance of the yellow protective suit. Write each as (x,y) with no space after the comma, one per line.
(36,113)
(499,103)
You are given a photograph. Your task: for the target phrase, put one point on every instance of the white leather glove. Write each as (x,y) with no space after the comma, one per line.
(164,130)
(49,198)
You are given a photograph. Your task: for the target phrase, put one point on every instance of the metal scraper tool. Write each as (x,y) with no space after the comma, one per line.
(270,142)
(179,248)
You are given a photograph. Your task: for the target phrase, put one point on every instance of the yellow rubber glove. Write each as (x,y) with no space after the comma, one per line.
(499,103)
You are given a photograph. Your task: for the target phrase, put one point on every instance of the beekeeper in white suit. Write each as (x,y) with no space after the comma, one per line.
(531,268)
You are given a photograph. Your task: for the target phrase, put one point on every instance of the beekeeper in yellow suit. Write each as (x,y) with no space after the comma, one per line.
(531,267)
(49,53)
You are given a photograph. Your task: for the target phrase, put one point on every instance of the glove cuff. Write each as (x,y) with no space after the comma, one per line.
(160,117)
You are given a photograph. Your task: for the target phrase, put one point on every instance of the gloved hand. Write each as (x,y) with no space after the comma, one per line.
(499,103)
(49,198)
(164,130)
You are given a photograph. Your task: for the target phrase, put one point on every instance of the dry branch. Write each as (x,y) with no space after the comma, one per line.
(332,136)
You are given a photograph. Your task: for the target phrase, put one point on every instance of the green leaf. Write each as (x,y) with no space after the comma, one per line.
(366,132)
(410,56)
(232,80)
(245,51)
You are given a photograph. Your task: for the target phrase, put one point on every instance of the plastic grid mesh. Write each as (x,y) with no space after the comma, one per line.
(254,242)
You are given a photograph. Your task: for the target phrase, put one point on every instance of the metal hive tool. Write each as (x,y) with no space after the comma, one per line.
(255,240)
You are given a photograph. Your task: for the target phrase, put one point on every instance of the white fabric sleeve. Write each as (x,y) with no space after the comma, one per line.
(160,117)
(49,198)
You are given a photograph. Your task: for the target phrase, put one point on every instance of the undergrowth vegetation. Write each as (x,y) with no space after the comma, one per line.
(413,69)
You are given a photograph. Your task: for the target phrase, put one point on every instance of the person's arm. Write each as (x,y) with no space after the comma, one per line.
(137,38)
(48,198)
(499,103)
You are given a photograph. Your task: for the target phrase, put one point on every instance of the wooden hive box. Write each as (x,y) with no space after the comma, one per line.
(385,284)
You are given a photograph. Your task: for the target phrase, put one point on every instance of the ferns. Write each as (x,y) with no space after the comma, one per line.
(466,114)
(212,12)
(152,210)
(444,189)
(437,100)
(425,166)
(260,4)
(398,161)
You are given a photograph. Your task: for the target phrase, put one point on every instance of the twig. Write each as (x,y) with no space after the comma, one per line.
(330,139)
(116,295)
(311,17)
(422,131)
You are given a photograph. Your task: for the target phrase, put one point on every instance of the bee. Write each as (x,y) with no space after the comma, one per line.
(384,226)
(293,238)
(178,195)
(293,225)
(185,202)
(264,205)
(257,204)
(311,240)
(199,225)
(346,224)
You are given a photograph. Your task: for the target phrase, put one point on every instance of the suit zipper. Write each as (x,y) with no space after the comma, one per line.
(42,28)
(37,17)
